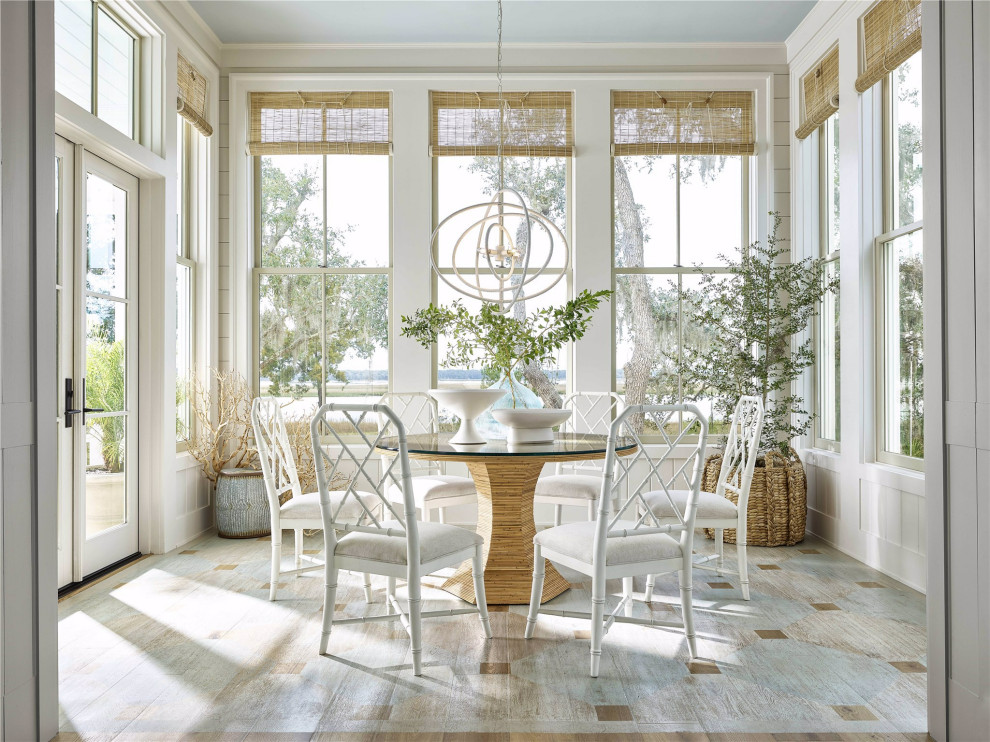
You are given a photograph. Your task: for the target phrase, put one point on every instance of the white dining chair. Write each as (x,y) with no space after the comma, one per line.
(579,482)
(394,545)
(302,510)
(715,509)
(632,542)
(433,488)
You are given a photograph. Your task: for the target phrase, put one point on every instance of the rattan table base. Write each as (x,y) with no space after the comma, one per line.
(506,488)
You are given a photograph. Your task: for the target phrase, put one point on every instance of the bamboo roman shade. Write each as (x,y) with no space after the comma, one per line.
(821,93)
(891,32)
(536,124)
(682,122)
(193,98)
(304,123)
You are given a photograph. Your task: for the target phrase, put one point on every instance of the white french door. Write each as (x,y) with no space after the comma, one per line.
(97,360)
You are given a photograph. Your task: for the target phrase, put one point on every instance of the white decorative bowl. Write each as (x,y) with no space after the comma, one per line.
(467,404)
(530,426)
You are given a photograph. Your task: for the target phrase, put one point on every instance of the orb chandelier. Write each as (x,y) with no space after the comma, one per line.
(503,273)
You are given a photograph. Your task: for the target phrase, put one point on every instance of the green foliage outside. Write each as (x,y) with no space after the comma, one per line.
(310,321)
(105,389)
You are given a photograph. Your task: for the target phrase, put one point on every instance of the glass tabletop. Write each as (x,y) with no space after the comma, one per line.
(563,444)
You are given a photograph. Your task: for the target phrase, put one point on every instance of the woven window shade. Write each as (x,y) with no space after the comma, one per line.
(821,93)
(193,98)
(536,124)
(682,122)
(355,123)
(891,33)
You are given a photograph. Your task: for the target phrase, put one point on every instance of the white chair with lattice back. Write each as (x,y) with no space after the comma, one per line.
(579,482)
(433,488)
(302,510)
(394,544)
(632,541)
(715,509)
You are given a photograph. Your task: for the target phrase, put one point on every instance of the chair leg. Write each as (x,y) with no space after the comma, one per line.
(367,587)
(329,598)
(591,510)
(597,619)
(720,548)
(627,592)
(443,514)
(276,562)
(426,514)
(558,513)
(743,564)
(684,577)
(478,572)
(650,580)
(298,546)
(390,591)
(415,624)
(539,571)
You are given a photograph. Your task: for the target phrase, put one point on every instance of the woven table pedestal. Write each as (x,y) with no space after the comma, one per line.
(506,488)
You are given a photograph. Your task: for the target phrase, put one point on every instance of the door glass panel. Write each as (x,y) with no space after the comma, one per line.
(106,491)
(74,50)
(106,235)
(115,70)
(105,354)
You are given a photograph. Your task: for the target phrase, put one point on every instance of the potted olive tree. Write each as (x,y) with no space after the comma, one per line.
(755,316)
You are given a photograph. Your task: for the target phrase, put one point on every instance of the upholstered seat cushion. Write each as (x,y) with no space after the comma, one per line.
(577,541)
(307,507)
(436,540)
(434,487)
(577,486)
(710,505)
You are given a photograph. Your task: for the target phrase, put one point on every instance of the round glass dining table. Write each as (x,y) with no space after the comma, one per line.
(505,479)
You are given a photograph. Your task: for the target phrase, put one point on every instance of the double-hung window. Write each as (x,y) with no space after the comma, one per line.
(96,56)
(322,180)
(538,142)
(192,228)
(900,348)
(890,38)
(828,377)
(680,203)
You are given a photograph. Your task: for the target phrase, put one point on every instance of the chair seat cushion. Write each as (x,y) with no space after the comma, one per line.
(710,505)
(307,507)
(577,541)
(436,540)
(434,487)
(578,486)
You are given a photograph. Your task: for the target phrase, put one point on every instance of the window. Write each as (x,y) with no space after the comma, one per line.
(95,56)
(680,195)
(900,394)
(828,403)
(323,251)
(185,277)
(538,142)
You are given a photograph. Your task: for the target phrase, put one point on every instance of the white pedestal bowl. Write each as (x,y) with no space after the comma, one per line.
(530,426)
(467,404)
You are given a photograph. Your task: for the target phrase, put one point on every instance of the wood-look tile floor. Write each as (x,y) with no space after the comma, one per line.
(186,646)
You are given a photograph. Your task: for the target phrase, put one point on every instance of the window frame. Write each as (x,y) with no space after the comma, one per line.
(746,185)
(568,280)
(258,270)
(824,251)
(882,268)
(96,6)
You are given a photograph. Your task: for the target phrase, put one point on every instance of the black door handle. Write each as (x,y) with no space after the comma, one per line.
(69,412)
(86,409)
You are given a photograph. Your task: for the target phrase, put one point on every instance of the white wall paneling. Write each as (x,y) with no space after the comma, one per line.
(868,510)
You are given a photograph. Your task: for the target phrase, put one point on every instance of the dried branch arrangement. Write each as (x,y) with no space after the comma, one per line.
(222,437)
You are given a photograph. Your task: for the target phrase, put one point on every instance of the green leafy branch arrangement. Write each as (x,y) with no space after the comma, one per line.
(504,342)
(752,316)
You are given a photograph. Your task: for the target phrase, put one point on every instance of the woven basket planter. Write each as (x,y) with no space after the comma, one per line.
(778,500)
